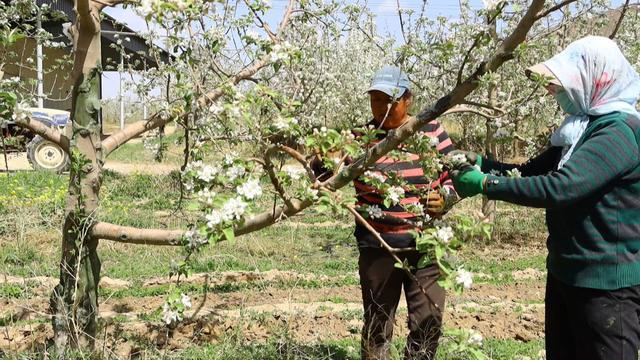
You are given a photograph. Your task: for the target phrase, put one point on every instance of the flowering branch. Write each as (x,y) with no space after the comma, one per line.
(476,41)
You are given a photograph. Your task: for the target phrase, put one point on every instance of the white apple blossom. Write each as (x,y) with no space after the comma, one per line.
(235,172)
(313,193)
(213,218)
(464,278)
(216,109)
(375,176)
(185,300)
(491,4)
(147,7)
(253,35)
(250,190)
(194,165)
(444,234)
(374,211)
(170,316)
(295,173)
(395,193)
(230,158)
(514,173)
(233,209)
(206,196)
(434,141)
(208,173)
(281,123)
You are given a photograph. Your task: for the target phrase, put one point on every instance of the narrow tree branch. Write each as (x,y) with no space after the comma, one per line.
(111,3)
(465,109)
(625,7)
(268,165)
(554,8)
(46,132)
(476,41)
(296,156)
(131,235)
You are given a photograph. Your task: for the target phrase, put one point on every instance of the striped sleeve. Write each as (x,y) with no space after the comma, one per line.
(445,146)
(435,129)
(608,153)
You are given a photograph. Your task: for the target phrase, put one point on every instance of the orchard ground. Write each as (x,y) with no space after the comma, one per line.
(288,292)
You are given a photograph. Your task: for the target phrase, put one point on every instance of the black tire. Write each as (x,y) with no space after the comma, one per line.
(44,155)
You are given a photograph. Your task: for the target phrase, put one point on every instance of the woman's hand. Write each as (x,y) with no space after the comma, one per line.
(468,181)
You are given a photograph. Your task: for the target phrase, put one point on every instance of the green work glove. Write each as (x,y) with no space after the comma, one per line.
(468,181)
(471,158)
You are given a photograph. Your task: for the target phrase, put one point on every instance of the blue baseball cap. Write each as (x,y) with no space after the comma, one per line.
(391,81)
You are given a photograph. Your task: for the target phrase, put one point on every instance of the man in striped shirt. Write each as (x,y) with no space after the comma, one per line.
(381,282)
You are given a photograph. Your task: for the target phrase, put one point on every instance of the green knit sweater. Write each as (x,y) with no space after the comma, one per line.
(592,202)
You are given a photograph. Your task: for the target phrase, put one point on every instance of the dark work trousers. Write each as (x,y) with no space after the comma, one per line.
(590,324)
(381,285)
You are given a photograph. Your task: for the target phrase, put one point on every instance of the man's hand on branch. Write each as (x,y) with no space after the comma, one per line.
(434,203)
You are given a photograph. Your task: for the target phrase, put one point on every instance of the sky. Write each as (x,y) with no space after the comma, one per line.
(385,10)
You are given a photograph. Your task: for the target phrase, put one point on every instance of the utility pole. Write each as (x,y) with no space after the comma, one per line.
(39,57)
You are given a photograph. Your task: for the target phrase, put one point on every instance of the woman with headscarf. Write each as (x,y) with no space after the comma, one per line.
(589,183)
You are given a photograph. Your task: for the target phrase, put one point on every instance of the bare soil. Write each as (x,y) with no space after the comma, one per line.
(512,311)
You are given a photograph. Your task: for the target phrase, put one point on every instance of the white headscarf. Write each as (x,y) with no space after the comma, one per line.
(598,80)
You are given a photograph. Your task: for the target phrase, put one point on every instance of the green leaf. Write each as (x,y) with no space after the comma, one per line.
(229,234)
(398,265)
(424,261)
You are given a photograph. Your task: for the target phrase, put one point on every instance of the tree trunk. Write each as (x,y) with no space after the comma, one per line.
(74,302)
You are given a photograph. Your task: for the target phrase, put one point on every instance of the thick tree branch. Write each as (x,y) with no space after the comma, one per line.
(138,128)
(131,235)
(46,132)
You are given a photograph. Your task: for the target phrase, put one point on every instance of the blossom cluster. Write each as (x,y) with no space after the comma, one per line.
(173,309)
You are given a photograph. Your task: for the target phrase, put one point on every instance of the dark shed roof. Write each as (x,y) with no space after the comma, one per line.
(140,52)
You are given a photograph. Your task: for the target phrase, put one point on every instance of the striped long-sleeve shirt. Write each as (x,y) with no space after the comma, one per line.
(392,225)
(592,202)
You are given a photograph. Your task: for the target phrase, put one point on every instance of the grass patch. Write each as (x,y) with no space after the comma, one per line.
(501,271)
(135,152)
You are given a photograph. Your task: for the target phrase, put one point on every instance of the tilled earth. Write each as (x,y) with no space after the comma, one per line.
(514,311)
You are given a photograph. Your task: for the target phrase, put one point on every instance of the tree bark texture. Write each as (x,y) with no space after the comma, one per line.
(74,302)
